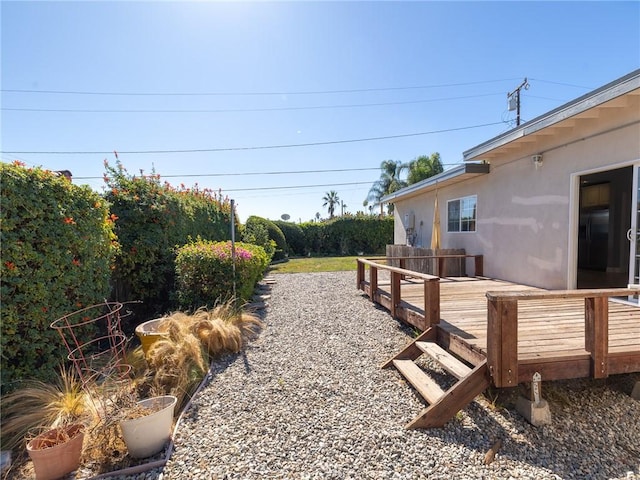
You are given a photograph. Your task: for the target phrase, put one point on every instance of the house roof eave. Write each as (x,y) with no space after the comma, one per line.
(591,100)
(453,175)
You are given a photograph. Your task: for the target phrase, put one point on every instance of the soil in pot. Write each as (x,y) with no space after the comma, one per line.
(56,452)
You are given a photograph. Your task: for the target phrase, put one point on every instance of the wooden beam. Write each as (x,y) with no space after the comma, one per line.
(432,302)
(395,292)
(479,266)
(360,275)
(560,294)
(454,399)
(502,341)
(596,318)
(411,351)
(373,278)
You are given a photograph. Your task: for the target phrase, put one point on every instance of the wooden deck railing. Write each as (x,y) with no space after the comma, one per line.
(431,290)
(441,271)
(502,328)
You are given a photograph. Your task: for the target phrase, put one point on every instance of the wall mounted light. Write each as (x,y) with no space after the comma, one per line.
(537,160)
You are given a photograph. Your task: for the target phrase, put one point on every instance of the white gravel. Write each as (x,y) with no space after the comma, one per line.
(307,400)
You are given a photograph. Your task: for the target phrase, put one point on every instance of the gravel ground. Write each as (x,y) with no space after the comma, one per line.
(307,399)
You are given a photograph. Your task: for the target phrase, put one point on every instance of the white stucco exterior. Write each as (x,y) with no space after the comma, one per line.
(527,215)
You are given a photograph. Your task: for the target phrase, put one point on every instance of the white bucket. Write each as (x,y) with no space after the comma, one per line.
(146,436)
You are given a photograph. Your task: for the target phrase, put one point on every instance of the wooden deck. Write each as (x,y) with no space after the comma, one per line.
(520,330)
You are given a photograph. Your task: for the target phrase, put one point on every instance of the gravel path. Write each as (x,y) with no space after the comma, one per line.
(307,399)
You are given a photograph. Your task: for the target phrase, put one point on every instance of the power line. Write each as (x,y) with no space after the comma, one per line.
(205,94)
(295,186)
(262,147)
(240,110)
(563,84)
(237,174)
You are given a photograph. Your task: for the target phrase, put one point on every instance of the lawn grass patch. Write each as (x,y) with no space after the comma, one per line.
(316,264)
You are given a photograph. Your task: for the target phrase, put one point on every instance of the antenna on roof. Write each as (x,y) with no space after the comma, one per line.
(513,99)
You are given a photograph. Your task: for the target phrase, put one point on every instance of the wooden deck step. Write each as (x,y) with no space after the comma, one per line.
(450,363)
(455,399)
(422,382)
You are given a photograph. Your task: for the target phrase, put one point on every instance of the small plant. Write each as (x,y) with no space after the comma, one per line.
(492,396)
(39,406)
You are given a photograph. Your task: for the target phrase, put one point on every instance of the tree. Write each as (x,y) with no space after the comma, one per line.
(388,182)
(331,199)
(423,167)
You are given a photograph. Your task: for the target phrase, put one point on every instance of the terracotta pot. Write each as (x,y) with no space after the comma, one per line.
(51,462)
(146,436)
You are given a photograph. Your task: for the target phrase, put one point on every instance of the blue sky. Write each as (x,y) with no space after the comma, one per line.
(410,67)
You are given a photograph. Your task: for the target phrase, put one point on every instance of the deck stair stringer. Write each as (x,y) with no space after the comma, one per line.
(443,405)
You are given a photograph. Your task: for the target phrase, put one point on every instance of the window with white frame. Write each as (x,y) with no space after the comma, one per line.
(461,214)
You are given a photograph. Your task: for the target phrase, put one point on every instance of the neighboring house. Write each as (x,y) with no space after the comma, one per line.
(553,203)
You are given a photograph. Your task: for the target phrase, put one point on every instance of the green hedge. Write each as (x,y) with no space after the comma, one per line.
(294,236)
(349,235)
(57,250)
(205,272)
(153,219)
(274,233)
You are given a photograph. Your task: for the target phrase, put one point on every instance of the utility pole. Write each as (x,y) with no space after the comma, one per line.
(513,99)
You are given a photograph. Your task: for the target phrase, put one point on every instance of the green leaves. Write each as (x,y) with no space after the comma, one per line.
(57,253)
(153,219)
(206,274)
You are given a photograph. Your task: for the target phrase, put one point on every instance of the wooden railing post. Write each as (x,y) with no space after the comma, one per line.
(360,275)
(441,266)
(596,334)
(479,267)
(373,281)
(395,293)
(502,341)
(431,302)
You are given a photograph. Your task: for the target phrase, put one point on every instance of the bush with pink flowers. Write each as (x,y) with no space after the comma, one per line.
(205,272)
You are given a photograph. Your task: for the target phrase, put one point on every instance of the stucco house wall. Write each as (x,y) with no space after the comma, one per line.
(527,214)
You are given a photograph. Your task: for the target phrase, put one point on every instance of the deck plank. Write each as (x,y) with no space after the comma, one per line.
(550,331)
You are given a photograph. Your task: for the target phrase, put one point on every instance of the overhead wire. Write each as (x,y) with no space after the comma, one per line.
(310,92)
(286,172)
(260,147)
(241,110)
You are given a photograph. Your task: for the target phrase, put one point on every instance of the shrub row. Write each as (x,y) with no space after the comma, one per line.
(65,247)
(347,235)
(153,219)
(57,249)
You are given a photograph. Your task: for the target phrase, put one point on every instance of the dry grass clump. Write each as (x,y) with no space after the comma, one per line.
(224,329)
(39,406)
(178,360)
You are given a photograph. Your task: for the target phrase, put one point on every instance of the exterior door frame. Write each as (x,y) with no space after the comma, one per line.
(634,231)
(574,215)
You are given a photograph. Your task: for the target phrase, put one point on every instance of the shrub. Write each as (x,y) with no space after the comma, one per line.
(294,237)
(57,251)
(274,233)
(256,233)
(153,219)
(205,272)
(349,235)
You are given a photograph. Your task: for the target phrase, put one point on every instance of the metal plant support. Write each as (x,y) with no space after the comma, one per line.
(102,357)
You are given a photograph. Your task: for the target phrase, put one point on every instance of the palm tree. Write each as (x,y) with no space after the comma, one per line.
(423,167)
(331,199)
(388,182)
